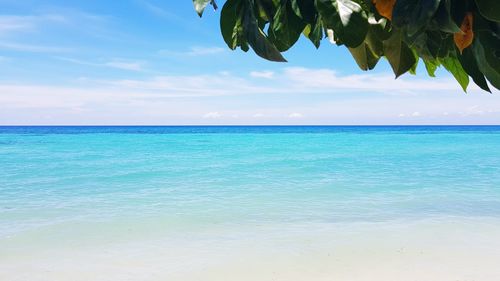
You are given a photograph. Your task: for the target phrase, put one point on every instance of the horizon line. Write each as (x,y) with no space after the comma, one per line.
(269,125)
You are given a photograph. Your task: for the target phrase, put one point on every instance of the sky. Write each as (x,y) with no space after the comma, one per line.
(155,62)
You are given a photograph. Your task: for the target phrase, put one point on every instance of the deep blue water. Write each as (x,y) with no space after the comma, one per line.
(243,129)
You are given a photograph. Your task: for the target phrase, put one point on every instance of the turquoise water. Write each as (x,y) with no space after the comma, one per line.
(178,178)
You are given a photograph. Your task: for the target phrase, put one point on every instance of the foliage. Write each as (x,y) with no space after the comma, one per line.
(463,36)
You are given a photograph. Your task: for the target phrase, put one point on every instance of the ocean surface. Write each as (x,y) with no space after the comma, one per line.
(88,193)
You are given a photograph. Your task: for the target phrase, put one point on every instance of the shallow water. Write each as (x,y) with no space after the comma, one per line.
(70,189)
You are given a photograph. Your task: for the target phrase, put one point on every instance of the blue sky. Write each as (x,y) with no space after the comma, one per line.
(155,62)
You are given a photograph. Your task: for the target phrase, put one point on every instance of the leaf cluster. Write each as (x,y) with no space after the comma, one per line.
(463,36)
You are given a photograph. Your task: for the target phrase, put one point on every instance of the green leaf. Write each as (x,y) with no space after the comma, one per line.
(413,69)
(486,51)
(286,27)
(413,14)
(431,66)
(314,32)
(458,10)
(347,19)
(257,39)
(266,9)
(369,52)
(364,57)
(446,46)
(373,41)
(489,9)
(200,5)
(305,9)
(452,64)
(399,55)
(442,19)
(230,22)
(380,28)
(470,66)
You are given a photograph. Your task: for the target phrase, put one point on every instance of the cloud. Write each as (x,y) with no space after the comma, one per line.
(28,33)
(23,23)
(212,115)
(191,85)
(286,82)
(414,114)
(159,11)
(203,51)
(295,115)
(193,52)
(33,48)
(15,24)
(135,66)
(191,98)
(329,80)
(477,110)
(262,74)
(115,63)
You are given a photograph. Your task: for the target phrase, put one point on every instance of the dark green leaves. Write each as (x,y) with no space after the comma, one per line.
(231,23)
(399,55)
(443,19)
(239,27)
(470,66)
(371,50)
(486,51)
(305,9)
(347,19)
(414,14)
(420,30)
(364,57)
(258,40)
(286,28)
(490,9)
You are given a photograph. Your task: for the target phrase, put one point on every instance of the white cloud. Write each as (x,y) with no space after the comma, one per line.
(33,48)
(262,74)
(193,52)
(115,63)
(327,80)
(191,98)
(203,51)
(29,33)
(23,23)
(126,65)
(295,115)
(15,23)
(212,115)
(414,114)
(212,85)
(475,110)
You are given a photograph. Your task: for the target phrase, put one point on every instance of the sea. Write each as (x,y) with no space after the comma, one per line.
(249,203)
